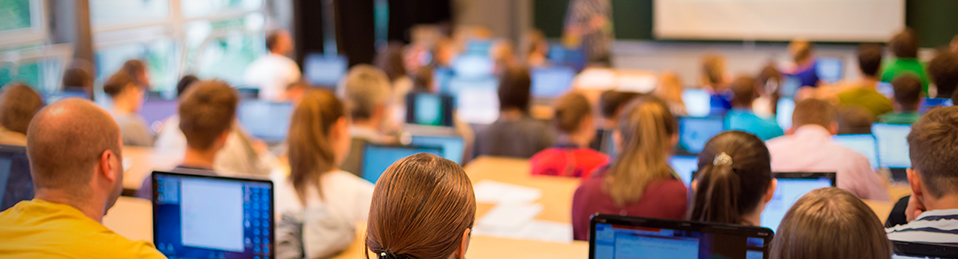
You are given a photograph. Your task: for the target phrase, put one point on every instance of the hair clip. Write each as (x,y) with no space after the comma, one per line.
(722,159)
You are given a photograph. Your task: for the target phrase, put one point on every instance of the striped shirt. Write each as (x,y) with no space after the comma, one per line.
(937,226)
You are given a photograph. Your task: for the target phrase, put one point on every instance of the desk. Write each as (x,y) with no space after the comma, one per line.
(139,162)
(131,218)
(556,191)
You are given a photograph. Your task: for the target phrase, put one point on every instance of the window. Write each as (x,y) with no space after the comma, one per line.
(21,22)
(38,67)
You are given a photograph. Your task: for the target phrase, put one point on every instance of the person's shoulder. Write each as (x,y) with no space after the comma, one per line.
(120,247)
(348,180)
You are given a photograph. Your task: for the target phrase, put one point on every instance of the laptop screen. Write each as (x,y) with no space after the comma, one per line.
(429,109)
(631,237)
(323,70)
(473,66)
(829,70)
(550,83)
(698,102)
(792,186)
(684,166)
(452,146)
(790,85)
(695,132)
(784,111)
(892,145)
(212,217)
(864,144)
(376,158)
(928,103)
(477,101)
(266,120)
(16,184)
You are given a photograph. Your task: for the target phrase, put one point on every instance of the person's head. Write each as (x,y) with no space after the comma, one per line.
(743,88)
(713,70)
(907,93)
(931,146)
(646,133)
(612,102)
(943,71)
(734,180)
(423,80)
(443,52)
(515,86)
(184,84)
(536,43)
(279,42)
(854,120)
(124,91)
(869,59)
(207,111)
(830,223)
(318,140)
(366,90)
(136,69)
(423,207)
(390,60)
(800,50)
(670,87)
(811,111)
(769,80)
(74,148)
(574,118)
(77,77)
(503,54)
(904,44)
(18,104)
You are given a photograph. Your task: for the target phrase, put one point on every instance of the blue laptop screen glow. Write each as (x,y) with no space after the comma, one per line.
(377,158)
(829,70)
(477,101)
(452,147)
(430,110)
(473,66)
(786,193)
(266,120)
(892,145)
(928,103)
(16,184)
(324,71)
(199,217)
(784,111)
(697,102)
(617,241)
(551,82)
(863,144)
(684,166)
(695,132)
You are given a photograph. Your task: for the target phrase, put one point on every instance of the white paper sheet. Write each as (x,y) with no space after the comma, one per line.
(488,191)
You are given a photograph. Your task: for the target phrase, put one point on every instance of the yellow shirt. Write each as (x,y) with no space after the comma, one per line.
(42,229)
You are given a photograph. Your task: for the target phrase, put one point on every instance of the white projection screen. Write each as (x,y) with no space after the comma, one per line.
(779,20)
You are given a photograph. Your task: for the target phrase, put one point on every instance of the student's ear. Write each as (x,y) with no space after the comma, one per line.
(695,185)
(833,128)
(461,251)
(914,181)
(675,139)
(916,204)
(110,166)
(770,193)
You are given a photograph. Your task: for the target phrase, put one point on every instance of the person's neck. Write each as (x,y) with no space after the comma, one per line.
(278,53)
(754,218)
(93,210)
(575,139)
(123,106)
(946,202)
(608,124)
(203,159)
(869,82)
(742,107)
(511,114)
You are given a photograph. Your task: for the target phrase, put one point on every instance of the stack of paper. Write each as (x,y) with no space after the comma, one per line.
(514,214)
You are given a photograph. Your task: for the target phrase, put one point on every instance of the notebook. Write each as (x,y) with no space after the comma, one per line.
(197,216)
(377,158)
(634,237)
(791,187)
(864,144)
(324,71)
(453,147)
(695,132)
(16,184)
(912,250)
(265,120)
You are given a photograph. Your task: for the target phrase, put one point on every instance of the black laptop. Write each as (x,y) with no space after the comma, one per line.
(16,184)
(634,237)
(913,250)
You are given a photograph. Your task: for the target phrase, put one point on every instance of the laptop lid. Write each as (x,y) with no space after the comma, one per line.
(266,120)
(830,70)
(913,250)
(452,147)
(16,184)
(929,103)
(324,71)
(784,111)
(684,166)
(892,142)
(792,186)
(429,109)
(634,237)
(698,102)
(376,158)
(196,216)
(864,144)
(477,101)
(695,132)
(551,82)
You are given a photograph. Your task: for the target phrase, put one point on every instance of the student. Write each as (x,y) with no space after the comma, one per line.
(576,127)
(769,83)
(18,104)
(128,98)
(715,80)
(804,67)
(808,148)
(317,203)
(933,207)
(854,120)
(863,93)
(639,182)
(734,181)
(77,169)
(136,69)
(536,49)
(206,115)
(390,61)
(741,116)
(503,55)
(76,78)
(515,133)
(366,93)
(670,91)
(943,70)
(423,207)
(830,223)
(588,24)
(905,47)
(271,73)
(907,100)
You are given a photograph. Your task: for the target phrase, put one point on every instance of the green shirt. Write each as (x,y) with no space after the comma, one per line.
(876,103)
(899,66)
(900,117)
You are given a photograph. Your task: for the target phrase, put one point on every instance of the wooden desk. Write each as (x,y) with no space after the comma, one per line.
(556,191)
(141,162)
(131,218)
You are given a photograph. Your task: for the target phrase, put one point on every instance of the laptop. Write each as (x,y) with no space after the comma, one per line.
(792,186)
(929,103)
(830,70)
(442,77)
(265,120)
(196,216)
(562,56)
(790,85)
(864,144)
(477,101)
(550,83)
(695,132)
(324,71)
(698,102)
(453,147)
(634,237)
(893,151)
(913,250)
(783,113)
(429,109)
(16,183)
(377,158)
(684,166)
(473,66)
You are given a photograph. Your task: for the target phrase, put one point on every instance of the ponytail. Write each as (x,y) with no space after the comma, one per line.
(310,152)
(646,129)
(735,174)
(718,191)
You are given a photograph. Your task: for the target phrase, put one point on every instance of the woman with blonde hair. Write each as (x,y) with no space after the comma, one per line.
(670,91)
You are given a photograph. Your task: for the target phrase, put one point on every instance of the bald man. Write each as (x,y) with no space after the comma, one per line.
(75,156)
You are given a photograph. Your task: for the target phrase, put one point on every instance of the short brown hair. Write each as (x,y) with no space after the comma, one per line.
(904,44)
(117,83)
(515,86)
(800,49)
(869,58)
(206,111)
(907,91)
(570,110)
(744,90)
(855,120)
(135,68)
(77,77)
(943,70)
(931,144)
(18,104)
(830,223)
(611,102)
(813,111)
(713,68)
(272,38)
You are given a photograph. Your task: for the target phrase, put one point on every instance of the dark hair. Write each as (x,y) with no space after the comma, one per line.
(611,102)
(730,189)
(206,111)
(184,84)
(423,79)
(77,77)
(134,68)
(830,223)
(869,59)
(514,89)
(272,38)
(855,120)
(931,145)
(744,90)
(907,91)
(904,44)
(119,82)
(390,61)
(570,110)
(18,104)
(813,111)
(943,70)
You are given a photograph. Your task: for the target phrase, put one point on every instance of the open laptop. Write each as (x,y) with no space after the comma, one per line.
(477,100)
(792,186)
(197,216)
(377,158)
(453,147)
(634,237)
(429,109)
(265,120)
(698,102)
(790,85)
(912,250)
(893,149)
(784,111)
(864,144)
(695,132)
(929,103)
(550,83)
(684,166)
(830,70)
(16,184)
(324,71)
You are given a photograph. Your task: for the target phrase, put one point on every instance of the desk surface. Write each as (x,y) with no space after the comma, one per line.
(139,162)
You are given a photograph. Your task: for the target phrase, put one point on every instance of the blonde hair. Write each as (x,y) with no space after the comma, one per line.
(365,88)
(670,88)
(646,128)
(713,70)
(311,154)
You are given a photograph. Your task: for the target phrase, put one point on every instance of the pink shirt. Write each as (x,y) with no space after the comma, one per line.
(810,149)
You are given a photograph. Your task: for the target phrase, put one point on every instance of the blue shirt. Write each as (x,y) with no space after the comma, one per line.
(808,75)
(744,120)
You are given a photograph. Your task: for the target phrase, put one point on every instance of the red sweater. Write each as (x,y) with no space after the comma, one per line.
(567,161)
(665,199)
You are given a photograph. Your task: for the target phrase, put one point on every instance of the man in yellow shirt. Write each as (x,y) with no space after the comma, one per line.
(76,164)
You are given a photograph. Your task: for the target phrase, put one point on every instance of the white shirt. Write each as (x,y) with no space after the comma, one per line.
(237,155)
(271,74)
